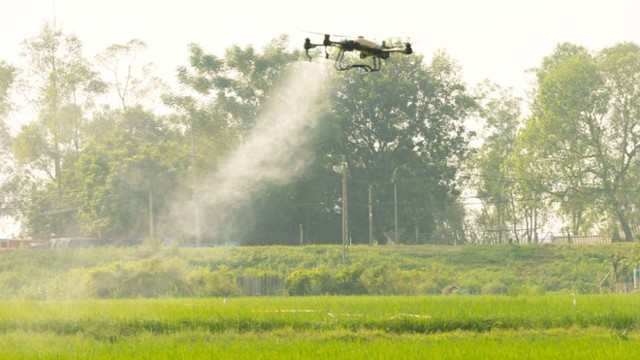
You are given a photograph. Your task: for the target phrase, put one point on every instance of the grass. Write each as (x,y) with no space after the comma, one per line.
(289,344)
(452,327)
(423,314)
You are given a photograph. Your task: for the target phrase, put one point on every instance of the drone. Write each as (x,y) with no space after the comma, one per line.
(366,48)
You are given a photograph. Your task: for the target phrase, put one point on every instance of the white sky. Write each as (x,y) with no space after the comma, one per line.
(494,39)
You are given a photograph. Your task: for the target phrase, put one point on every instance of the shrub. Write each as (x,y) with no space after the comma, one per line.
(218,283)
(144,278)
(379,280)
(300,282)
(347,280)
(316,281)
(495,287)
(470,287)
(386,279)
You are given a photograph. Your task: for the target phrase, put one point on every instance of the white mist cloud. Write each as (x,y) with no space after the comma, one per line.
(275,150)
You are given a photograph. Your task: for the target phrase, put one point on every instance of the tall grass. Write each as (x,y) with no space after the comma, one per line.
(458,327)
(340,344)
(425,314)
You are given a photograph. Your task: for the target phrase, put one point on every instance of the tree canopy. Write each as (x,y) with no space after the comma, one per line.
(82,167)
(583,140)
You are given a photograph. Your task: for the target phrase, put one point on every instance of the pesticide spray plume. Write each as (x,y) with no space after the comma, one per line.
(274,151)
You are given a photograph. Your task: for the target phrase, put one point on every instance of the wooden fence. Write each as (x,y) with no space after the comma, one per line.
(582,240)
(261,285)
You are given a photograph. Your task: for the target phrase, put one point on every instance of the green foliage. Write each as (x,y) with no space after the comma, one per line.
(318,281)
(158,277)
(118,173)
(84,169)
(153,277)
(7,78)
(344,280)
(61,86)
(151,271)
(503,198)
(403,130)
(580,146)
(204,282)
(131,81)
(386,279)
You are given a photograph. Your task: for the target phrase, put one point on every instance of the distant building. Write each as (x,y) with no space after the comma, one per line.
(23,244)
(76,242)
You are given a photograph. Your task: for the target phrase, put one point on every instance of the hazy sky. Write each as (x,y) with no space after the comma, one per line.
(494,39)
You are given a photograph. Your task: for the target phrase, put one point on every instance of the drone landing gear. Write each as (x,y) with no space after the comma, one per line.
(342,66)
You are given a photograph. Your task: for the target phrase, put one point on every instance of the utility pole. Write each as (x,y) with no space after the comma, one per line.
(370,214)
(395,205)
(343,169)
(395,210)
(194,185)
(301,235)
(345,212)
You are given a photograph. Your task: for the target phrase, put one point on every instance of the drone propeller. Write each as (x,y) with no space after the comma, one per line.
(325,34)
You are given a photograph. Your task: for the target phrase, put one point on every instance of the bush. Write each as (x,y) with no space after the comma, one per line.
(495,287)
(470,287)
(204,282)
(316,281)
(437,278)
(345,280)
(152,270)
(387,279)
(144,278)
(299,283)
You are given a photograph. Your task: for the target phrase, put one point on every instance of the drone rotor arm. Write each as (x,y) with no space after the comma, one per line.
(394,50)
(406,50)
(308,45)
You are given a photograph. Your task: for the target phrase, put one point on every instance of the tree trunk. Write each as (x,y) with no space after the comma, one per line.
(514,221)
(535,223)
(58,175)
(624,224)
(151,221)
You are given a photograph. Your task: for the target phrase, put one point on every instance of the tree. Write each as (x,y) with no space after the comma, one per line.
(510,200)
(132,82)
(128,179)
(65,87)
(7,78)
(494,187)
(584,134)
(238,84)
(402,131)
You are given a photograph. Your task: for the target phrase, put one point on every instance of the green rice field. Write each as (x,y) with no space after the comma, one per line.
(368,327)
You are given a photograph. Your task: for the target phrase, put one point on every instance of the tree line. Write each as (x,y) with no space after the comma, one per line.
(83,165)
